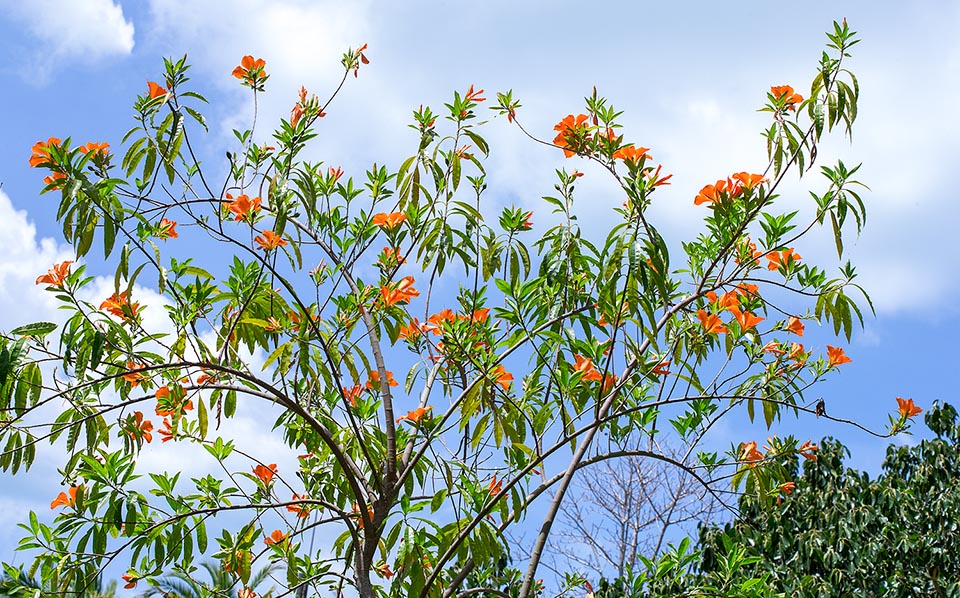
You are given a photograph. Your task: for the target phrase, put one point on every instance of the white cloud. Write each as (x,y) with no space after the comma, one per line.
(699,131)
(24,259)
(301,41)
(69,30)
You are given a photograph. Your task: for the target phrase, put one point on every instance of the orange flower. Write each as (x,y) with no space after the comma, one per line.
(392,257)
(415,416)
(167,403)
(570,126)
(334,174)
(295,318)
(55,275)
(246,592)
(632,154)
(787,487)
(302,510)
(242,206)
(748,181)
(749,453)
(400,292)
(384,571)
(807,451)
(502,377)
(156,90)
(250,70)
(654,179)
(66,499)
(269,240)
(355,513)
(746,319)
(435,322)
(41,151)
(527,223)
(167,229)
(712,324)
(796,352)
(166,432)
(206,378)
(295,115)
(608,381)
(363,58)
(584,365)
(835,356)
(907,408)
(750,249)
(133,375)
(715,193)
(782,259)
(795,325)
(374,382)
(474,96)
(273,324)
(276,537)
(728,301)
(660,369)
(748,289)
(265,472)
(495,487)
(411,330)
(119,305)
(53,178)
(131,581)
(389,221)
(143,428)
(352,394)
(709,194)
(774,347)
(97,148)
(480,315)
(786,94)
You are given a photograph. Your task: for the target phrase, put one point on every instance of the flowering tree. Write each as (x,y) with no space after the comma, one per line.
(553,355)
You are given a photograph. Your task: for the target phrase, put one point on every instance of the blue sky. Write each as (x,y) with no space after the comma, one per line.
(689,77)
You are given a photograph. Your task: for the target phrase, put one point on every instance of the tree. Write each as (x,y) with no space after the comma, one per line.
(840,533)
(412,486)
(624,508)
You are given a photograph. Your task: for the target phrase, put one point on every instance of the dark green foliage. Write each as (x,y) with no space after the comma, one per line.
(841,534)
(16,583)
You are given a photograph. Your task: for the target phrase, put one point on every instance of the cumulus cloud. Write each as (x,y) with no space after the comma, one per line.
(301,41)
(72,31)
(24,258)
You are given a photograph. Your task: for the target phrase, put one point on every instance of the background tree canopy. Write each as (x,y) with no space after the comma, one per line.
(841,533)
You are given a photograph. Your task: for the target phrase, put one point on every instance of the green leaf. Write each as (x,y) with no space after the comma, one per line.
(109,235)
(837,235)
(456,170)
(230,403)
(37,329)
(202,419)
(437,500)
(770,411)
(201,536)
